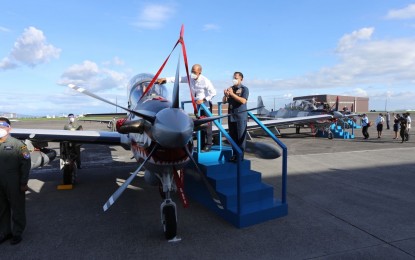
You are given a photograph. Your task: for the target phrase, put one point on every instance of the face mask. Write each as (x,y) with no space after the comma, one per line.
(193,76)
(3,132)
(235,82)
(71,119)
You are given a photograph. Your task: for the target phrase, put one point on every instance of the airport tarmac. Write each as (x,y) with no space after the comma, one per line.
(347,199)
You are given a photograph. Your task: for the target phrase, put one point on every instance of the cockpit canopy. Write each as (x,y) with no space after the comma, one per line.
(138,84)
(302,105)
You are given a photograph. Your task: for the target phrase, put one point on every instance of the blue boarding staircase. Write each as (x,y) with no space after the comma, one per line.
(341,129)
(246,199)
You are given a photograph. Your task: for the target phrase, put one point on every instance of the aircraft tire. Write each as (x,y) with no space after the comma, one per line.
(330,135)
(169,222)
(69,173)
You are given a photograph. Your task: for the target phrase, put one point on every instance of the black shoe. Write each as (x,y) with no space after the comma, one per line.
(16,240)
(234,159)
(207,148)
(5,237)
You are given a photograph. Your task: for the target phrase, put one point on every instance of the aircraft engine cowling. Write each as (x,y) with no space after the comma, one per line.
(173,128)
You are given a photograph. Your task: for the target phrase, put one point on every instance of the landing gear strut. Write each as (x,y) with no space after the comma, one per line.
(69,153)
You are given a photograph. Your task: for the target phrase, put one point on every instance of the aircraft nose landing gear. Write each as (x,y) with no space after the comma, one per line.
(169,220)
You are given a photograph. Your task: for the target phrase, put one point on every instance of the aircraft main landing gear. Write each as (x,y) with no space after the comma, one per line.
(68,165)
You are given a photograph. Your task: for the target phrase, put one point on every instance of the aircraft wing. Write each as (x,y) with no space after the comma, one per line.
(97,137)
(285,121)
(105,121)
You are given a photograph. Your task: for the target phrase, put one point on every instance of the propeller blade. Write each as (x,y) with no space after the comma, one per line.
(86,92)
(211,190)
(121,189)
(176,87)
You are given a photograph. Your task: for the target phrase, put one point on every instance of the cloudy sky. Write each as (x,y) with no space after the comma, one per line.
(284,48)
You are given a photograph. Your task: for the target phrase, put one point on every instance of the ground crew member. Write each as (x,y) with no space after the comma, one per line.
(237,96)
(14,174)
(74,126)
(404,127)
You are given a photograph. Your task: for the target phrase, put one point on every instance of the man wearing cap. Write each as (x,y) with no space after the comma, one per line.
(73,126)
(15,166)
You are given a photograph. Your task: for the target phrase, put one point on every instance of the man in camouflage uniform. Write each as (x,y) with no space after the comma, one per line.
(14,174)
(72,125)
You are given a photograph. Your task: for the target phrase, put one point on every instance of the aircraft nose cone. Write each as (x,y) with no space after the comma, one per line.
(337,114)
(173,128)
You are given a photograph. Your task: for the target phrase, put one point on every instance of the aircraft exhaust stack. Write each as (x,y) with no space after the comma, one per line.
(133,126)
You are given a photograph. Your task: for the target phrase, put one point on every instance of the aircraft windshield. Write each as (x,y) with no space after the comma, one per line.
(302,105)
(138,84)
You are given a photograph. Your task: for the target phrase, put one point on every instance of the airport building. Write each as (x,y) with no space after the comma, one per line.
(352,104)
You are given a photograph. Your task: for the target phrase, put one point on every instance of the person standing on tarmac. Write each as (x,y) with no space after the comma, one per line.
(379,124)
(409,122)
(365,126)
(403,124)
(388,119)
(73,126)
(396,125)
(15,166)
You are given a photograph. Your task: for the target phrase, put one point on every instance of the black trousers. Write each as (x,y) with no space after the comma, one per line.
(12,206)
(206,134)
(364,131)
(237,131)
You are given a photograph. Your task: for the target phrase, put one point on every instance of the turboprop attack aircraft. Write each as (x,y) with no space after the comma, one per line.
(160,135)
(158,132)
(302,112)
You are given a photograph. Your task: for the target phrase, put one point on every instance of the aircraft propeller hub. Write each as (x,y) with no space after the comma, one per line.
(173,128)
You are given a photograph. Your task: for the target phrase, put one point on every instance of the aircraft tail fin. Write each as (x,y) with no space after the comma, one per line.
(337,103)
(261,110)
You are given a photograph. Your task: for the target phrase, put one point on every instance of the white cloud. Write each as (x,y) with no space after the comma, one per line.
(358,92)
(404,13)
(7,64)
(349,40)
(115,61)
(364,68)
(210,27)
(4,29)
(84,71)
(90,76)
(30,49)
(154,16)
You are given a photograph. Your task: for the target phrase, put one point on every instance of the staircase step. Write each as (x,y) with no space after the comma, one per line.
(256,206)
(249,193)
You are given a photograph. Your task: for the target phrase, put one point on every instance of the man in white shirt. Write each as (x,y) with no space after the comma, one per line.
(203,92)
(408,125)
